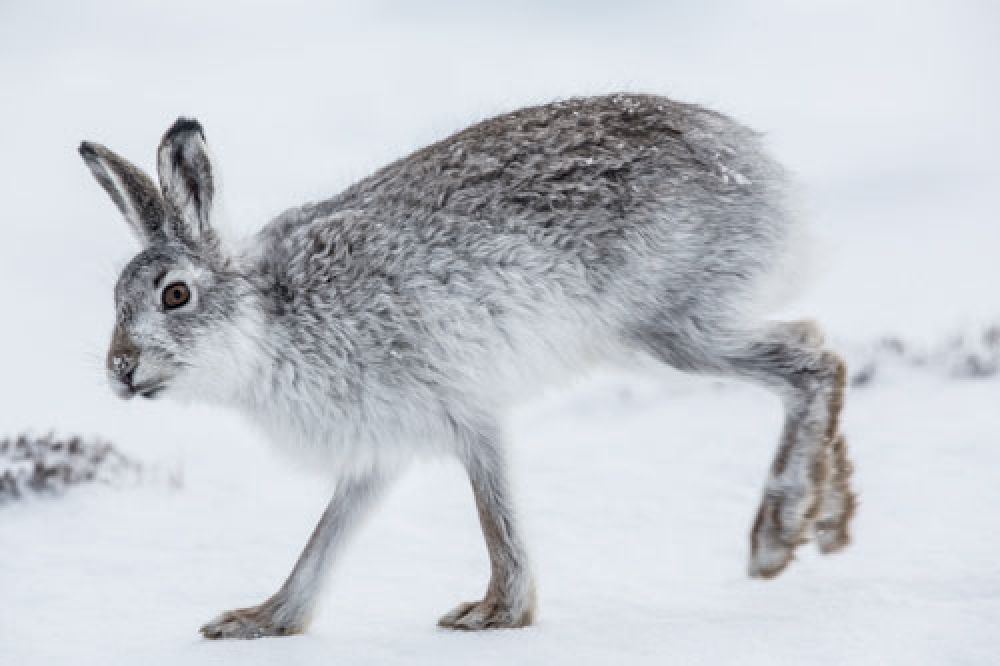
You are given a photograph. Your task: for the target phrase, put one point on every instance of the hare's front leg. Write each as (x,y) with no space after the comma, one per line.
(510,595)
(288,611)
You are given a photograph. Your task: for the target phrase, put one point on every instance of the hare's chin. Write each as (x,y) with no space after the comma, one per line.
(148,390)
(153,392)
(122,390)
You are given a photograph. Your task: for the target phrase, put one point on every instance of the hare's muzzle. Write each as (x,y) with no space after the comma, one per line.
(122,363)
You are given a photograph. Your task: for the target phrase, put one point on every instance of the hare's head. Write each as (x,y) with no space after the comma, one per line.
(177,295)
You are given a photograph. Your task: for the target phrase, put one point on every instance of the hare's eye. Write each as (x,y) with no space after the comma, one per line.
(175,295)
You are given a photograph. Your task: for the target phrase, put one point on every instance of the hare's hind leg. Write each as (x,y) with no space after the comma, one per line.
(799,482)
(790,359)
(509,601)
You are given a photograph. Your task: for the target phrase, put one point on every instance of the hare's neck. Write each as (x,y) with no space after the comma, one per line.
(233,364)
(257,341)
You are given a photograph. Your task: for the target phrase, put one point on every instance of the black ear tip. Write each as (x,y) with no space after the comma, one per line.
(183,126)
(88,150)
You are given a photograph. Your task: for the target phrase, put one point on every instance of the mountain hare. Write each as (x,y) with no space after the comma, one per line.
(405,315)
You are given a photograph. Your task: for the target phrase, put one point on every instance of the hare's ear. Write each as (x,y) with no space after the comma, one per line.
(186,180)
(132,191)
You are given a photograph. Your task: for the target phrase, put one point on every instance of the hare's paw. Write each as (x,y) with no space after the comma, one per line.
(255,622)
(775,536)
(490,613)
(833,530)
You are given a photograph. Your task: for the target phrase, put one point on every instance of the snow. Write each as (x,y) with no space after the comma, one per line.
(636,492)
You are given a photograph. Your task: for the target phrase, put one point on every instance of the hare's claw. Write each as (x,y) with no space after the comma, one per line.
(490,613)
(246,623)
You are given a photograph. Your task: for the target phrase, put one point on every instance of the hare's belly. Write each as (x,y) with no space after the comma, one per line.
(531,355)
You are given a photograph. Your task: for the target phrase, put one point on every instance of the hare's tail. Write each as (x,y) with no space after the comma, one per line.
(798,256)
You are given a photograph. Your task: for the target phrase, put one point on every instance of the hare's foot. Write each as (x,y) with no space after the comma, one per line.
(839,502)
(267,619)
(492,612)
(777,532)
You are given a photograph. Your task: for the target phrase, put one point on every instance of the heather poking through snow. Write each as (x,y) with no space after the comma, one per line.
(49,465)
(973,353)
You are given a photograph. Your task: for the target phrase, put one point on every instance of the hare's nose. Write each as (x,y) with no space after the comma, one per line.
(122,364)
(123,356)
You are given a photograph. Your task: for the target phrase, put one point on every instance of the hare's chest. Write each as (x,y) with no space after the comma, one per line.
(350,437)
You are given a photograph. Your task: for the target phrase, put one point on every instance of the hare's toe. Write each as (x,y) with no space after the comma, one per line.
(770,559)
(832,539)
(247,623)
(490,613)
(833,533)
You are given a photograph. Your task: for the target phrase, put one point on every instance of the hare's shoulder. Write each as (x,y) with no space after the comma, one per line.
(319,233)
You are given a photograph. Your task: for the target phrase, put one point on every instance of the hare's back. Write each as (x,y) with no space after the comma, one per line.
(600,187)
(585,194)
(567,163)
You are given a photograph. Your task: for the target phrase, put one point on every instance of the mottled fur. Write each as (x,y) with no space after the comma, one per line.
(405,315)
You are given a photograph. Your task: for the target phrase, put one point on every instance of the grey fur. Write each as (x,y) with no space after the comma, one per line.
(289,610)
(405,315)
(135,195)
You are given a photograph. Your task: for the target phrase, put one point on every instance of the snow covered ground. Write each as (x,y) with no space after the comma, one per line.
(637,492)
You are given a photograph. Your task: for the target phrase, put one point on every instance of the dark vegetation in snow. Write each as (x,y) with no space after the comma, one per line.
(971,355)
(48,465)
